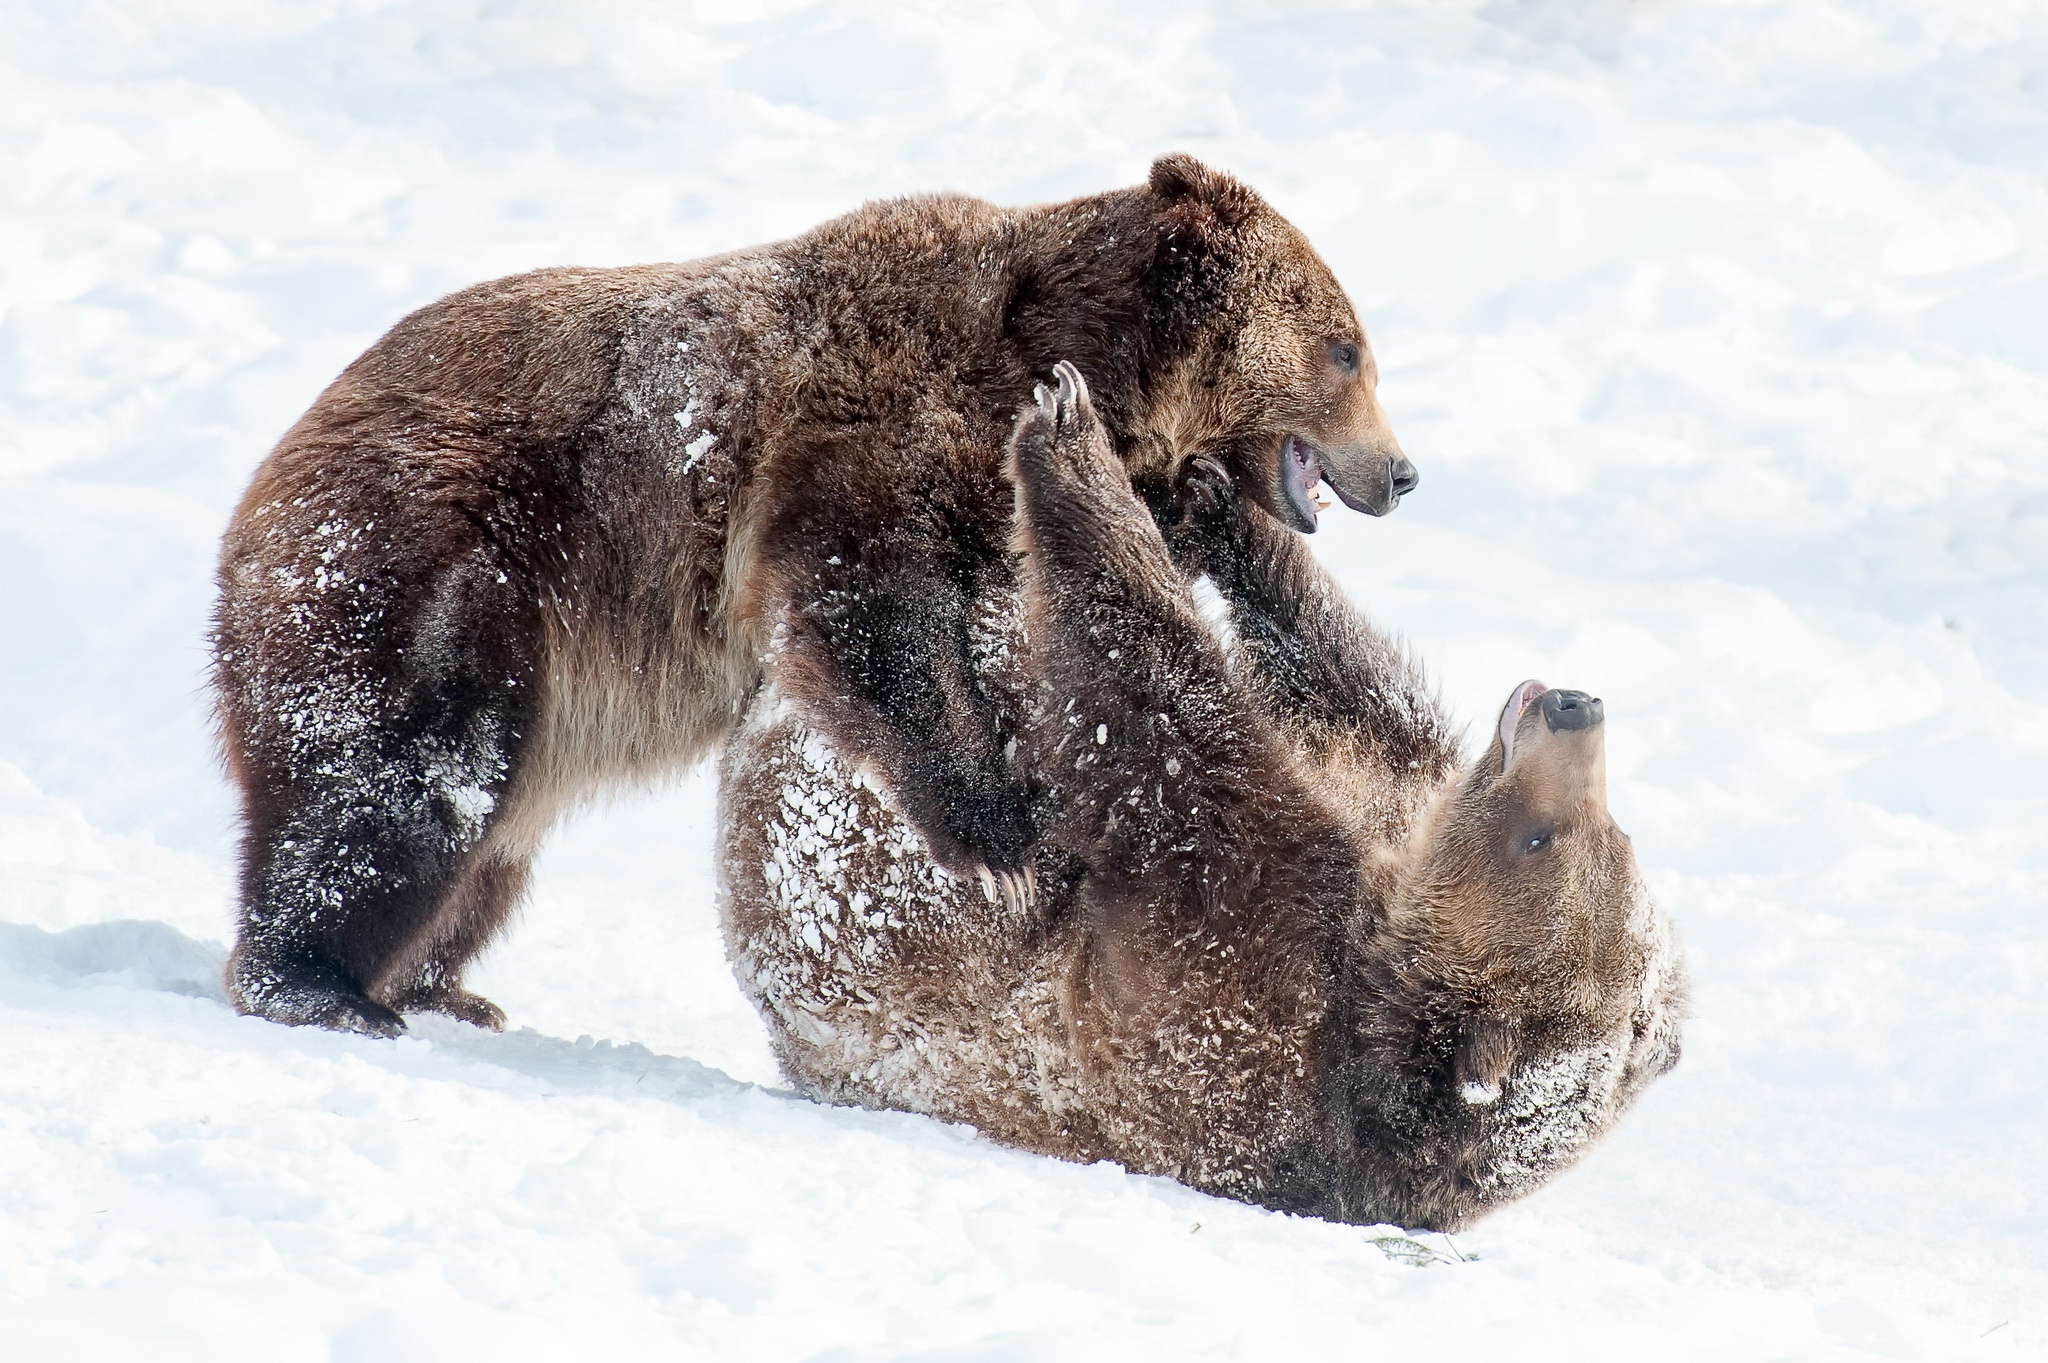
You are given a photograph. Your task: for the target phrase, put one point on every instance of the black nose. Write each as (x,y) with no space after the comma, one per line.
(1571,710)
(1402,477)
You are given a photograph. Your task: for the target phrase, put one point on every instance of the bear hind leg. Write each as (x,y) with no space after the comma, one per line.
(374,750)
(349,887)
(475,909)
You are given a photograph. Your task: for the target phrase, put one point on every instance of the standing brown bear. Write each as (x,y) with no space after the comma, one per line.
(1290,949)
(532,540)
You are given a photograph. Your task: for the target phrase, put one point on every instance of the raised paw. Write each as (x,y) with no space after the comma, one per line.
(1059,436)
(1062,405)
(1211,521)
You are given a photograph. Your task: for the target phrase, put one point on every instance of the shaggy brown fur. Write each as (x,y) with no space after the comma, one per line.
(1286,950)
(541,536)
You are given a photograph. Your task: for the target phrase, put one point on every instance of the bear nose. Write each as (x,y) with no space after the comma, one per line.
(1401,477)
(1571,710)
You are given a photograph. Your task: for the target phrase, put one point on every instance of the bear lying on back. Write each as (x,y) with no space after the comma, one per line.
(1285,950)
(530,542)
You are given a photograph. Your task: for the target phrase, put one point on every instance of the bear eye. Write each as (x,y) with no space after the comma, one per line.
(1344,355)
(1537,841)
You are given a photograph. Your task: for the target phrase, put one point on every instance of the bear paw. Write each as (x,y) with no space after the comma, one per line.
(460,1004)
(1211,529)
(1060,439)
(1063,406)
(1206,489)
(306,1003)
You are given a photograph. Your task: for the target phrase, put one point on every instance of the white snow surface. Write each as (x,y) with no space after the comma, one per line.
(1717,332)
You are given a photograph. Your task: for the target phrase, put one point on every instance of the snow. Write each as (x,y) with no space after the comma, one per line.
(1715,330)
(695,449)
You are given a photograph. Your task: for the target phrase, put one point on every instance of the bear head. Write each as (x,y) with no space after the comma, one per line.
(1519,884)
(1272,374)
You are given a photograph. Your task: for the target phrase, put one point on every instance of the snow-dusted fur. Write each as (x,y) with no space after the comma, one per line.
(529,542)
(1285,948)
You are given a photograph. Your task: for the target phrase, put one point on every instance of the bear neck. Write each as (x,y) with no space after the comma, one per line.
(1090,285)
(1401,1142)
(1401,1145)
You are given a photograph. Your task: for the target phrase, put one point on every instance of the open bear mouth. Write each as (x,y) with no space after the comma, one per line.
(1301,472)
(1563,712)
(1367,481)
(1523,696)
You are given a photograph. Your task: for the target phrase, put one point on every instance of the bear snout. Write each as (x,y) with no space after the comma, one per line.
(1403,478)
(1569,710)
(1368,479)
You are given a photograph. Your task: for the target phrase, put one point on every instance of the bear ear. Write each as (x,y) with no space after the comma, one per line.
(1185,183)
(1177,175)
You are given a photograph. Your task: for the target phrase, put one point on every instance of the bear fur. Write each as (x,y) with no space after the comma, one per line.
(541,536)
(1287,948)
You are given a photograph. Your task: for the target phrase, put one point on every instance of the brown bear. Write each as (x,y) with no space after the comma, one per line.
(541,536)
(1286,949)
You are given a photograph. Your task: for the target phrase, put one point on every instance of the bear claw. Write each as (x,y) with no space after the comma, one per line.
(1207,483)
(1018,890)
(1073,388)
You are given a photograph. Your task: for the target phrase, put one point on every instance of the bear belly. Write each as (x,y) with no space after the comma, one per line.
(885,982)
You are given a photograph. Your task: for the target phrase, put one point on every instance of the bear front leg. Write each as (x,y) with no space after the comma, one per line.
(880,659)
(1325,674)
(1149,743)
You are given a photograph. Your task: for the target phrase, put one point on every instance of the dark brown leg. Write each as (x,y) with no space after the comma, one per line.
(471,916)
(375,733)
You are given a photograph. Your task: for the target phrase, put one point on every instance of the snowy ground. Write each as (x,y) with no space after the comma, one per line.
(1718,333)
